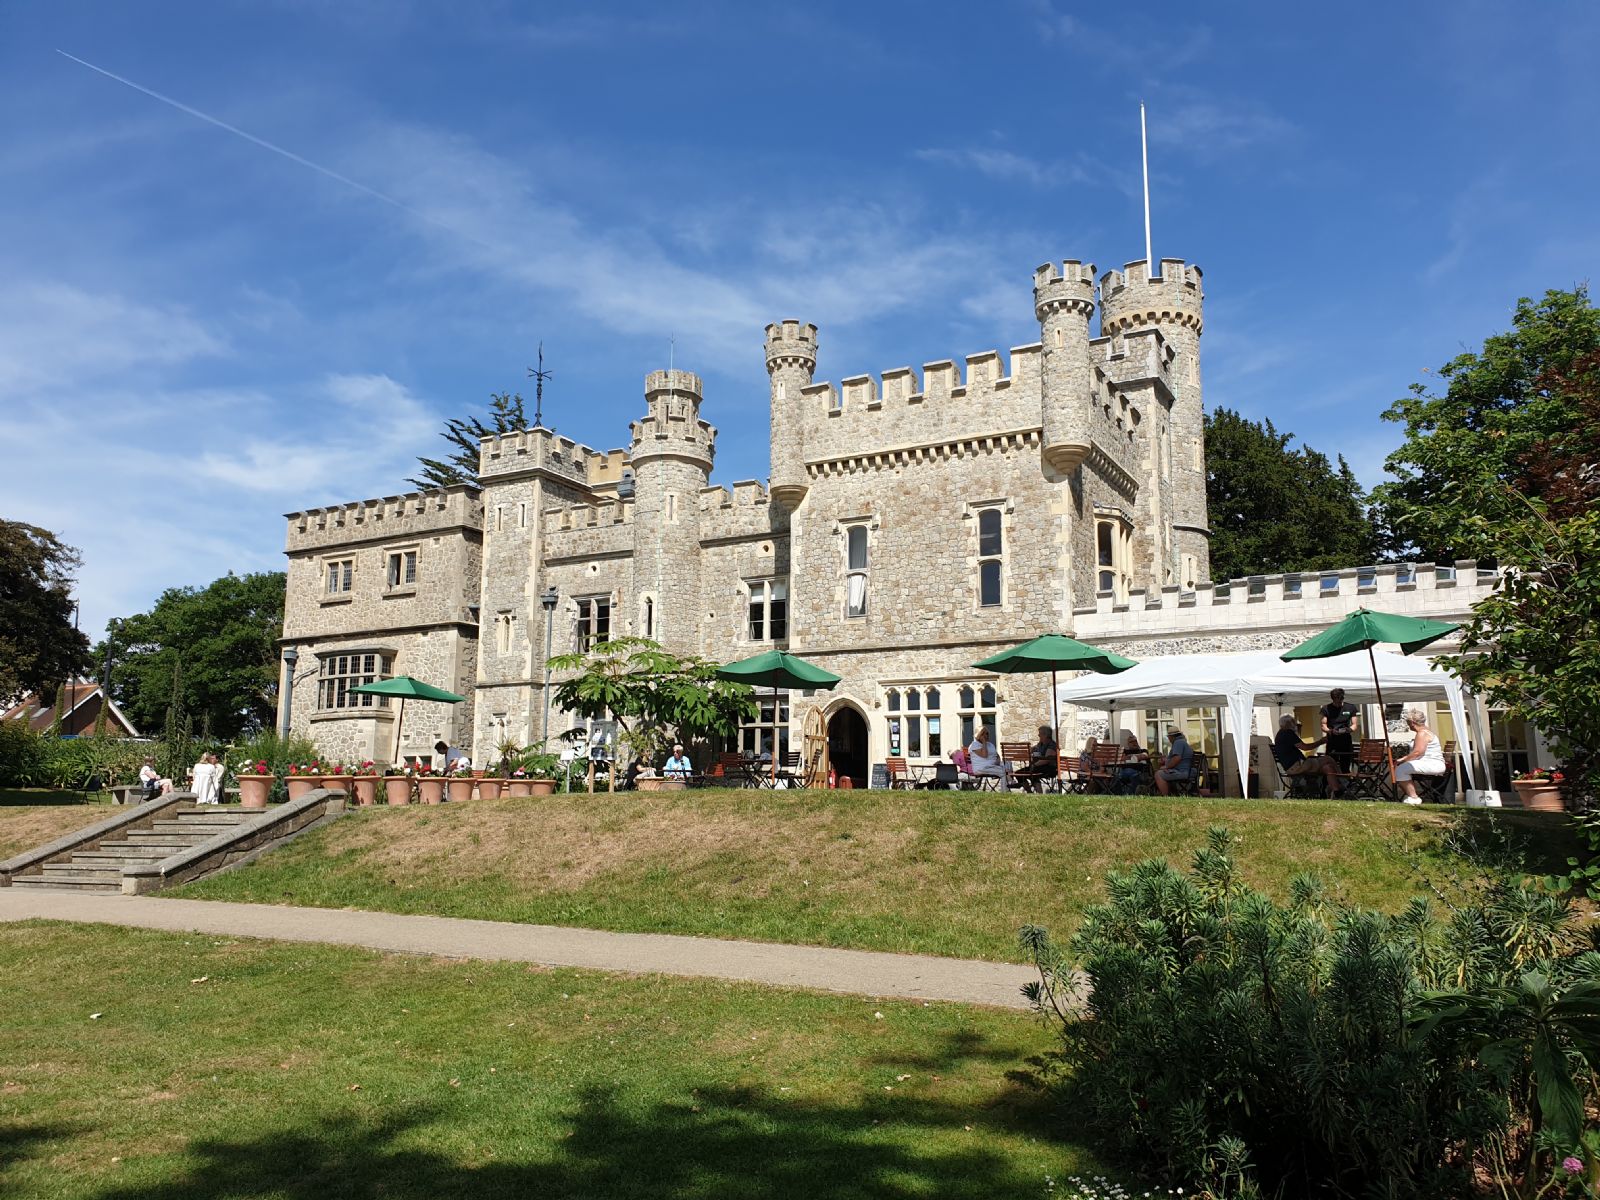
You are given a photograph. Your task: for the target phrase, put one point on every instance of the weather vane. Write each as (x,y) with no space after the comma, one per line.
(539,375)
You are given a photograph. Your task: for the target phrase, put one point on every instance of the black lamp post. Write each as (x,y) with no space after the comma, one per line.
(549,598)
(290,657)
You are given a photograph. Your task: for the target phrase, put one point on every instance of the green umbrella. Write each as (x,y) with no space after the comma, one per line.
(406,688)
(1054,652)
(1364,629)
(777,669)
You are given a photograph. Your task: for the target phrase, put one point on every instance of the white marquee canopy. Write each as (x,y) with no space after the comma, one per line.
(1238,682)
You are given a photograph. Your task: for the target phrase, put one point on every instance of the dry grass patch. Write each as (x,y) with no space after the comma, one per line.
(24,826)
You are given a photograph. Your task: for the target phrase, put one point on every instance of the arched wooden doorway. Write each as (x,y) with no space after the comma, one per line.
(847,745)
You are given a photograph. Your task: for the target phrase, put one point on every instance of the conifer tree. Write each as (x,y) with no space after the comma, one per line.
(461,466)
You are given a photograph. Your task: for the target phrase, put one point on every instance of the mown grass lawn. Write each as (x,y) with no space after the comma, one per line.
(946,873)
(241,1068)
(30,817)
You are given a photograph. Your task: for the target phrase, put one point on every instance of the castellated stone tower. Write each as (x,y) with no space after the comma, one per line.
(671,455)
(1171,303)
(791,359)
(1064,301)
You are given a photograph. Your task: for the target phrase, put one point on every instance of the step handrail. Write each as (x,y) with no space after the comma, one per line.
(90,836)
(236,842)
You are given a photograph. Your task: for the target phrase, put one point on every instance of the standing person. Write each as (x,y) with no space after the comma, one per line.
(152,782)
(678,766)
(1338,725)
(1426,756)
(984,756)
(1289,751)
(455,761)
(208,780)
(1178,766)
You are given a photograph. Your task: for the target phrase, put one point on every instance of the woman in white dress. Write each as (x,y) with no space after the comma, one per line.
(208,780)
(1426,756)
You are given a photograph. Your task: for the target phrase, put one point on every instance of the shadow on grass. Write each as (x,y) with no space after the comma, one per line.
(1508,841)
(48,797)
(716,1144)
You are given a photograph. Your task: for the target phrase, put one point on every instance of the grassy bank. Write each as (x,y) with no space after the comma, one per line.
(932,872)
(30,817)
(141,1065)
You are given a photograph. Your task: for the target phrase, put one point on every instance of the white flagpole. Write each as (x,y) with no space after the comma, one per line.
(1144,153)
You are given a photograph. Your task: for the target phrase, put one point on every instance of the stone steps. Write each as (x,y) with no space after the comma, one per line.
(100,869)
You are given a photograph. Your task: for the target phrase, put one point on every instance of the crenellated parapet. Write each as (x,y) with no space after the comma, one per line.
(502,457)
(1067,288)
(671,426)
(587,516)
(791,344)
(1132,299)
(1140,356)
(395,518)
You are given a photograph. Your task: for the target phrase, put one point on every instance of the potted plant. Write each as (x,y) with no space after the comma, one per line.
(1540,789)
(337,776)
(303,778)
(397,785)
(539,767)
(365,783)
(490,783)
(255,782)
(430,783)
(461,784)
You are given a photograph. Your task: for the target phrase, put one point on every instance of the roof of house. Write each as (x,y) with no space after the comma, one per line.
(40,716)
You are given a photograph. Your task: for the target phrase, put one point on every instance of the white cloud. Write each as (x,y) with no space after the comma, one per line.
(1007,166)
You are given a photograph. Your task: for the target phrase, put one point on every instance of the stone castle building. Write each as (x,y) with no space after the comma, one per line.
(914,523)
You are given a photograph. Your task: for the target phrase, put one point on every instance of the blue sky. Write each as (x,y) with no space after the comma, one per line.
(198,333)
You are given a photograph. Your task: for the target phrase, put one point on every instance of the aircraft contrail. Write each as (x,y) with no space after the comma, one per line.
(276,149)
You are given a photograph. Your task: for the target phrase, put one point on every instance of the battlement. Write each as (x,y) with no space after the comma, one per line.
(535,449)
(1261,602)
(1130,298)
(405,516)
(985,370)
(587,516)
(676,384)
(791,344)
(1135,356)
(747,493)
(1071,288)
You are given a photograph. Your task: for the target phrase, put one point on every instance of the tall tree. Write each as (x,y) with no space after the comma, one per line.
(461,466)
(211,651)
(1503,406)
(1274,507)
(39,648)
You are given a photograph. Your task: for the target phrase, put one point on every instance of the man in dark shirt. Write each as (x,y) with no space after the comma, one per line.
(1289,751)
(1338,720)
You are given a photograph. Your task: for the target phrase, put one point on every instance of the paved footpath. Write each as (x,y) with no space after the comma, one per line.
(860,972)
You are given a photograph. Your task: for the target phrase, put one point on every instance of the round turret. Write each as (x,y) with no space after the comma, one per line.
(1063,300)
(1130,299)
(671,426)
(791,359)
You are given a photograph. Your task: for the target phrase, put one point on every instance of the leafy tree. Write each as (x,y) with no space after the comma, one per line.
(1277,508)
(209,653)
(655,696)
(39,648)
(461,466)
(1503,407)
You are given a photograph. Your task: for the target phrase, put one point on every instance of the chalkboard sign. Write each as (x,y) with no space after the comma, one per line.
(880,775)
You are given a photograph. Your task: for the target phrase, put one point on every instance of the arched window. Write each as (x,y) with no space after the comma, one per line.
(1105,545)
(913,700)
(893,700)
(989,556)
(649,617)
(966,696)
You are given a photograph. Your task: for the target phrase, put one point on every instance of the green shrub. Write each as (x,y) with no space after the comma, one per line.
(22,756)
(1338,1052)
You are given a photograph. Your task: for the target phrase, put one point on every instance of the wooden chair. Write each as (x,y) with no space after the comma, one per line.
(1073,773)
(899,773)
(1368,778)
(731,767)
(1102,773)
(1015,752)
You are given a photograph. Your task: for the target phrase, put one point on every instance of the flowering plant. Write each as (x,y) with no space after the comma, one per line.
(1542,775)
(252,766)
(311,768)
(334,768)
(368,767)
(419,769)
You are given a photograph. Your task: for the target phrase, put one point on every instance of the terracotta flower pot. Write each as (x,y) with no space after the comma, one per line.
(254,790)
(339,783)
(541,787)
(461,789)
(431,788)
(299,785)
(519,787)
(489,789)
(397,789)
(1539,795)
(366,790)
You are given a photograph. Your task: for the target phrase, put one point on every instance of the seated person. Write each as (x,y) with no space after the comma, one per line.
(151,782)
(984,755)
(1289,751)
(1178,766)
(1426,756)
(678,765)
(1132,771)
(1042,760)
